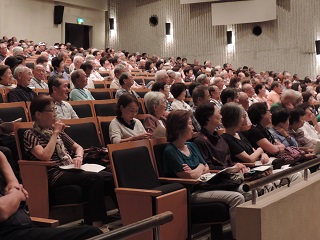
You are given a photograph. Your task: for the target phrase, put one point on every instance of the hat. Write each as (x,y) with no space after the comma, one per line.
(41,44)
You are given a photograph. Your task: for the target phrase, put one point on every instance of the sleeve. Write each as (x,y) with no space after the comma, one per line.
(12,97)
(149,123)
(115,132)
(172,163)
(255,135)
(67,141)
(235,149)
(30,140)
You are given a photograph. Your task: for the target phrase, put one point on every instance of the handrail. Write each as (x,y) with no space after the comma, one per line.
(253,185)
(137,227)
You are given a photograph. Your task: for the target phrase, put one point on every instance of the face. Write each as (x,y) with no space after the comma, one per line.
(309,115)
(187,133)
(216,93)
(39,72)
(3,49)
(266,119)
(61,92)
(7,76)
(161,108)
(285,125)
(215,119)
(166,91)
(299,89)
(25,77)
(82,81)
(301,121)
(250,91)
(88,72)
(47,117)
(262,91)
(61,67)
(129,112)
(182,96)
(130,81)
(278,89)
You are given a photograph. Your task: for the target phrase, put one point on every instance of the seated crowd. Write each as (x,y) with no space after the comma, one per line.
(212,117)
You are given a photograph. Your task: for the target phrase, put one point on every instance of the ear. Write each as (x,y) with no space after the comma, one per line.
(37,115)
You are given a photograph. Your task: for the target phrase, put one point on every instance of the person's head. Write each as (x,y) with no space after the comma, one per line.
(179,125)
(127,107)
(208,116)
(77,61)
(259,114)
(39,72)
(244,100)
(178,90)
(232,115)
(307,97)
(287,83)
(203,80)
(280,118)
(58,88)
(104,62)
(5,75)
(3,49)
(218,81)
(229,95)
(260,90)
(155,103)
(79,78)
(214,92)
(43,111)
(87,68)
(97,54)
(12,62)
(118,70)
(17,51)
(248,89)
(126,80)
(235,82)
(275,86)
(43,61)
(291,99)
(296,119)
(188,72)
(162,76)
(23,75)
(161,87)
(200,94)
(57,64)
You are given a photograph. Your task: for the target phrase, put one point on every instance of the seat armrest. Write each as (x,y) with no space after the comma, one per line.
(44,222)
(136,191)
(37,163)
(179,180)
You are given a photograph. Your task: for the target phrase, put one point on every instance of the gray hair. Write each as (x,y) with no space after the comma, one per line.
(17,51)
(19,69)
(232,114)
(160,75)
(201,78)
(119,68)
(89,58)
(152,99)
(171,74)
(77,58)
(292,96)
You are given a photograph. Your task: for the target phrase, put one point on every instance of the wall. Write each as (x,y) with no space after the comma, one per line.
(285,44)
(33,20)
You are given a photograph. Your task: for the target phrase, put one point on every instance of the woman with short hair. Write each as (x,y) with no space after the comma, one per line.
(178,90)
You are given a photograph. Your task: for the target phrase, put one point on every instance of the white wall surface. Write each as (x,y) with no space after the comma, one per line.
(33,20)
(286,43)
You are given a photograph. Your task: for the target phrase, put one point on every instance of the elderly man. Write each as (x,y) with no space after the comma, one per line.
(248,89)
(59,91)
(244,101)
(3,51)
(218,81)
(39,74)
(80,81)
(215,96)
(17,51)
(15,223)
(77,61)
(200,94)
(22,93)
(274,96)
(118,70)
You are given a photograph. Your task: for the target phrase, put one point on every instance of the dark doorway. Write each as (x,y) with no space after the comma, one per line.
(78,35)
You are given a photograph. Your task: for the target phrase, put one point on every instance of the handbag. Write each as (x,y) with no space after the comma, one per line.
(97,155)
(223,181)
(291,155)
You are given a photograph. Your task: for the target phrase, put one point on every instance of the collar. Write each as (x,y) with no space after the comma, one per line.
(24,88)
(214,137)
(131,125)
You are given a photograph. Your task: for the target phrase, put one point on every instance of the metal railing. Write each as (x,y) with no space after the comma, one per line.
(253,185)
(137,227)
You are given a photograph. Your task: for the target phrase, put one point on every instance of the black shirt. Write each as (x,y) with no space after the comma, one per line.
(21,94)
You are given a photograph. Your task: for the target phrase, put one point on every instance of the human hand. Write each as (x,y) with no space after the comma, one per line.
(186,168)
(9,186)
(58,127)
(77,161)
(264,158)
(143,136)
(21,193)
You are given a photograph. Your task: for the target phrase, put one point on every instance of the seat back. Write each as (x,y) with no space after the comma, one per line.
(101,93)
(99,84)
(84,131)
(12,111)
(104,123)
(132,165)
(105,107)
(19,128)
(157,148)
(83,109)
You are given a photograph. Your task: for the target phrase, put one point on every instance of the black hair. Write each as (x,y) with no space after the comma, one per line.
(256,112)
(296,114)
(279,115)
(203,113)
(177,88)
(228,93)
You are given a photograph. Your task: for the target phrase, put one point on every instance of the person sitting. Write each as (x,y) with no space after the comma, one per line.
(215,96)
(80,81)
(58,68)
(259,134)
(260,90)
(94,75)
(156,105)
(241,150)
(311,130)
(59,91)
(88,69)
(39,74)
(125,127)
(280,127)
(118,70)
(165,89)
(229,95)
(182,159)
(290,99)
(126,81)
(6,77)
(178,90)
(22,93)
(15,223)
(274,95)
(47,141)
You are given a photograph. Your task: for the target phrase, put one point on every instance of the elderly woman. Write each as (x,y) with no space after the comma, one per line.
(165,89)
(280,127)
(58,68)
(80,81)
(126,81)
(183,159)
(233,115)
(125,127)
(178,90)
(6,77)
(290,99)
(258,134)
(47,141)
(156,105)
